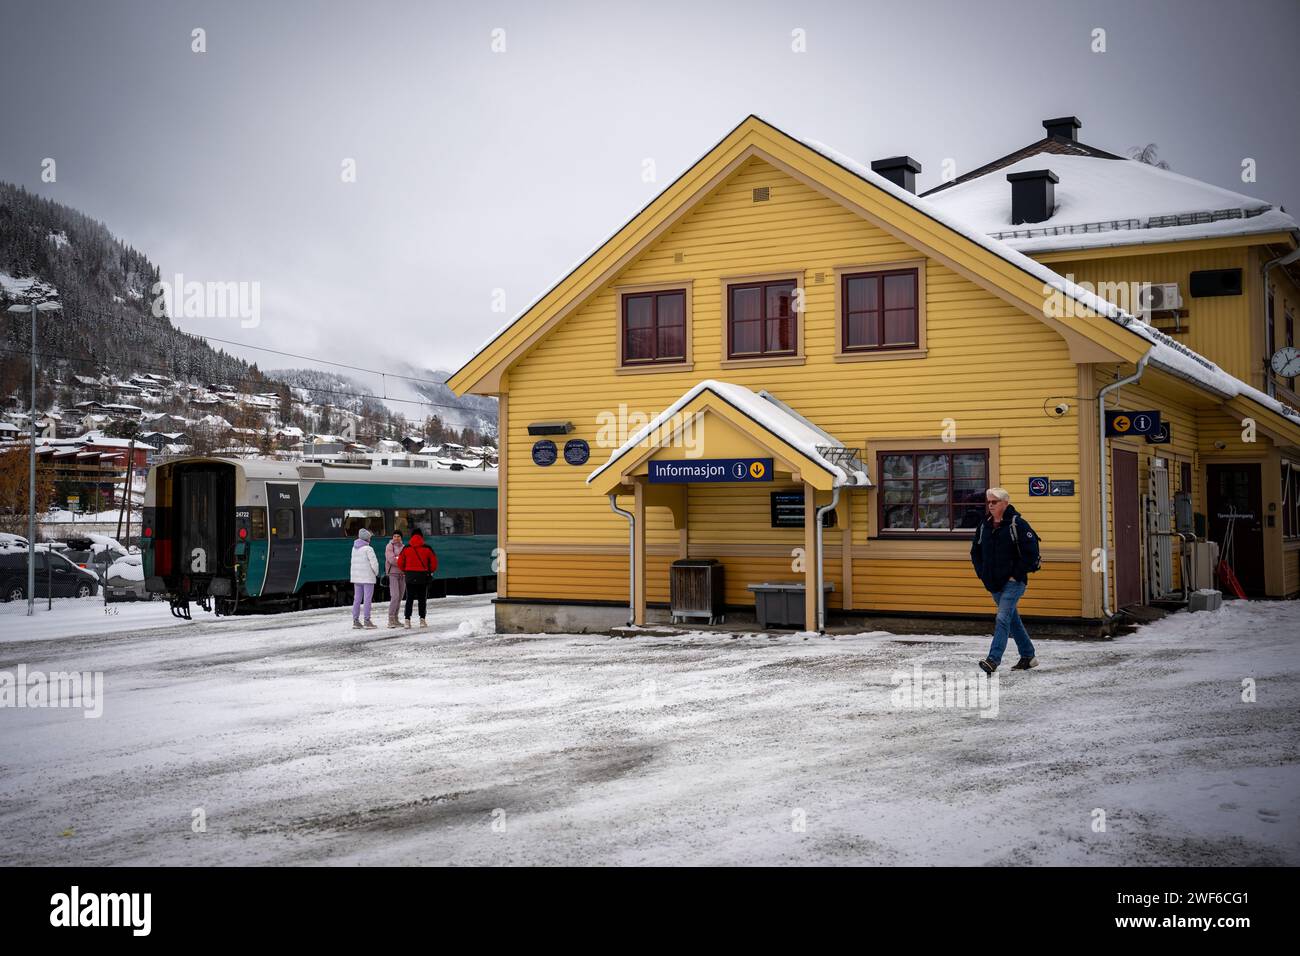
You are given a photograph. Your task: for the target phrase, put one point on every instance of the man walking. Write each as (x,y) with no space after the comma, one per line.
(396,577)
(1004,551)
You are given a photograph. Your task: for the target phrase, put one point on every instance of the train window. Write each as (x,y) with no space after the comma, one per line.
(455,521)
(407,520)
(257,519)
(282,527)
(356,519)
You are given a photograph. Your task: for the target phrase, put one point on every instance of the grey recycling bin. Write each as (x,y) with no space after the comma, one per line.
(781,604)
(695,589)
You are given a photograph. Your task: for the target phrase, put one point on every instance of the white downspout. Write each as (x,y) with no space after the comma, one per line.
(631,552)
(1105,497)
(821,594)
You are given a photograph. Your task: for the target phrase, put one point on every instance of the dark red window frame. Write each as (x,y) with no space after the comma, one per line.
(764,320)
(877,315)
(655,358)
(885,484)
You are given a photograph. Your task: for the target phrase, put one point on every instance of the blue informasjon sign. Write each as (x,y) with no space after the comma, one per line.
(689,471)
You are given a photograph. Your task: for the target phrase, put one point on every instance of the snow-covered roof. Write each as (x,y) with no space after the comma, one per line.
(948,209)
(764,410)
(1104,202)
(1167,352)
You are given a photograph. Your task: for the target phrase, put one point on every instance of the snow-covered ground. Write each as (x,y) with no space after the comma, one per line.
(296,739)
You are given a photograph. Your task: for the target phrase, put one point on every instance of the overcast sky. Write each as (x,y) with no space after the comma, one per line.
(479,170)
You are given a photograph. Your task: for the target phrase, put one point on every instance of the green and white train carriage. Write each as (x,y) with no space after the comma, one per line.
(240,535)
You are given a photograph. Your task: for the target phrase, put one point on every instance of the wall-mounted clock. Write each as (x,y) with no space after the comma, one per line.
(1286,361)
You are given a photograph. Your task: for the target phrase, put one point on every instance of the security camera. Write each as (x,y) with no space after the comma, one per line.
(1061,408)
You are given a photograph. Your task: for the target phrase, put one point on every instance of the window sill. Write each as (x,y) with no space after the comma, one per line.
(646,369)
(884,355)
(762,361)
(924,536)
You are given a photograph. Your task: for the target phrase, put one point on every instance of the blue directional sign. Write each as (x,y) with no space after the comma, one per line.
(693,470)
(1120,423)
(1162,435)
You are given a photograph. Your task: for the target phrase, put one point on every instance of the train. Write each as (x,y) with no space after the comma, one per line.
(239,536)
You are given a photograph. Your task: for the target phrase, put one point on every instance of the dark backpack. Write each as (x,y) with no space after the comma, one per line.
(1037,563)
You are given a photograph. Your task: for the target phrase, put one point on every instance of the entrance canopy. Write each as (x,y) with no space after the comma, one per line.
(719,431)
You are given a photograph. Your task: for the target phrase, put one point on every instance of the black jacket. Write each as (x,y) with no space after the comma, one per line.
(995,555)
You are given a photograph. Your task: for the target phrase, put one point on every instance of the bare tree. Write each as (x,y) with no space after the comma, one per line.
(1147,154)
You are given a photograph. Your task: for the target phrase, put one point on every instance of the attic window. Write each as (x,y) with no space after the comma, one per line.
(762,194)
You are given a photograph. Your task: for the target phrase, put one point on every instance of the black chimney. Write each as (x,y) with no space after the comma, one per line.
(1033,195)
(899,170)
(1063,127)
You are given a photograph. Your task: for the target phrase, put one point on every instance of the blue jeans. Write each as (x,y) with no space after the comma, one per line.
(1008,622)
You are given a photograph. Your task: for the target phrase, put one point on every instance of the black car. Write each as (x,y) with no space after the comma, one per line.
(53,573)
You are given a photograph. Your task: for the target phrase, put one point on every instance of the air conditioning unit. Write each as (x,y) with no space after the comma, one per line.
(1159,297)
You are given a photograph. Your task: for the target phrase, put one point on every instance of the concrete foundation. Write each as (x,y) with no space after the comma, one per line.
(538,618)
(557,618)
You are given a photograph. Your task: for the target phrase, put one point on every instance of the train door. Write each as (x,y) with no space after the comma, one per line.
(199,523)
(284,538)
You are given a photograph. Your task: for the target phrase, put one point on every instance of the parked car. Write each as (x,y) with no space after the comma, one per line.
(54,573)
(95,552)
(96,563)
(12,542)
(124,580)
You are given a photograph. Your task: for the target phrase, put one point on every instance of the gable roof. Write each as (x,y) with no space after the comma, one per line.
(1093,328)
(1102,202)
(1050,145)
(987,262)
(794,436)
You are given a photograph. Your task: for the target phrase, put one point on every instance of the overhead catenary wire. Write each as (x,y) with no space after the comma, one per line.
(126,316)
(82,310)
(262,386)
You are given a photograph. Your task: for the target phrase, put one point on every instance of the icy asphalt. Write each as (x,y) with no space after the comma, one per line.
(294,739)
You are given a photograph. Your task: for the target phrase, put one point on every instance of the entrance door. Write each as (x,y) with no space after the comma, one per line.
(284,539)
(1128,553)
(1235,490)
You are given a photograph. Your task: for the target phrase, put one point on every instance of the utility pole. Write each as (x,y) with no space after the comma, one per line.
(34,306)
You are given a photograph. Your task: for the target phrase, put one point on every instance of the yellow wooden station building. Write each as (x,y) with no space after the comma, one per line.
(784,332)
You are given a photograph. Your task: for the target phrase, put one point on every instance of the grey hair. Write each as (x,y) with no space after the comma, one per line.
(1000,493)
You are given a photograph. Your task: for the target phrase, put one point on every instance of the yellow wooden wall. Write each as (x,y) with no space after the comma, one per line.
(990,367)
(1218,327)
